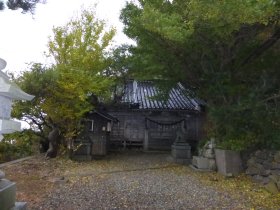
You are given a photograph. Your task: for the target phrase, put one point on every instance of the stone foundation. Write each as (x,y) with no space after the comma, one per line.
(206,159)
(264,167)
(201,162)
(181,153)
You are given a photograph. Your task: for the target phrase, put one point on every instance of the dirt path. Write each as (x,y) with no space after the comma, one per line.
(131,181)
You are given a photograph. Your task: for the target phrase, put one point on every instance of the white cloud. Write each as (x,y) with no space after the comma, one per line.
(23,37)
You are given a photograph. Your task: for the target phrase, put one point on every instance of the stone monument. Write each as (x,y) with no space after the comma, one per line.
(9,92)
(181,150)
(206,157)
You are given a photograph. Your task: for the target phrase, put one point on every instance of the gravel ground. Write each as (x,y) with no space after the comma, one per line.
(131,180)
(142,181)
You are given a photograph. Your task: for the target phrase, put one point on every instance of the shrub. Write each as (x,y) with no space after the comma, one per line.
(17,145)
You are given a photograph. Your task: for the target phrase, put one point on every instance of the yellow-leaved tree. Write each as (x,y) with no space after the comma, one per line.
(81,52)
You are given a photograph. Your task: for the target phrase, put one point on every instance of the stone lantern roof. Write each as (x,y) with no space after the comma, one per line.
(9,91)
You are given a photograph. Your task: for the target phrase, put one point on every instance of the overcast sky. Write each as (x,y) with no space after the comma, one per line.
(23,37)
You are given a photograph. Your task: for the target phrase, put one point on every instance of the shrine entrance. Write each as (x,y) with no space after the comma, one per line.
(161,135)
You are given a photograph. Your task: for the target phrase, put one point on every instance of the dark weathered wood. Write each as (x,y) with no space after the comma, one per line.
(95,136)
(99,145)
(133,128)
(150,130)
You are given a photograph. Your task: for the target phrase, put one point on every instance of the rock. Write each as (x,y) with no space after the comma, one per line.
(59,180)
(275,165)
(278,185)
(257,178)
(261,155)
(271,187)
(212,164)
(206,145)
(260,161)
(264,167)
(270,157)
(277,157)
(275,172)
(266,173)
(251,161)
(261,179)
(256,169)
(200,152)
(200,162)
(265,180)
(274,178)
(209,153)
(228,175)
(2,175)
(252,171)
(20,206)
(262,171)
(267,164)
(257,153)
(209,145)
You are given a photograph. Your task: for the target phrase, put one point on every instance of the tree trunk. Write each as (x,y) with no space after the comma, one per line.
(70,148)
(53,138)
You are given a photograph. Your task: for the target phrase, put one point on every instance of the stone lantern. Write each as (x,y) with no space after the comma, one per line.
(9,92)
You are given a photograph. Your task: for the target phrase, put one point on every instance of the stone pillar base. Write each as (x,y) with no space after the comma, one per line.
(7,194)
(181,153)
(200,162)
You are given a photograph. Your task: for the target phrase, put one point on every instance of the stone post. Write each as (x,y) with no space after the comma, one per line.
(8,195)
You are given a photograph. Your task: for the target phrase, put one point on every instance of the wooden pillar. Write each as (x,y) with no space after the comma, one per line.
(146,140)
(183,126)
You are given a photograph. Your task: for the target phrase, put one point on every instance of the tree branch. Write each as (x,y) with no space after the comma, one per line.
(264,46)
(271,97)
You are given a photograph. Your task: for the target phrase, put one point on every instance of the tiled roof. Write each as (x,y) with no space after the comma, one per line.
(141,94)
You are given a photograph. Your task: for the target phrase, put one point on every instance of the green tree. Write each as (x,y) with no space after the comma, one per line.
(25,5)
(18,145)
(81,51)
(227,49)
(66,91)
(40,82)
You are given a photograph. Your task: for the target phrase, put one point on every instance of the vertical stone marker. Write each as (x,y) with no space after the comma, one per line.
(9,92)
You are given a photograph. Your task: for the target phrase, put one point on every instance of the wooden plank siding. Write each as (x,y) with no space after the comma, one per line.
(139,119)
(132,125)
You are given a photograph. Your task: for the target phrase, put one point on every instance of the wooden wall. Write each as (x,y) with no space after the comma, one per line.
(142,128)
